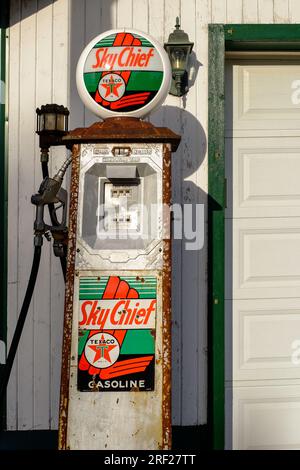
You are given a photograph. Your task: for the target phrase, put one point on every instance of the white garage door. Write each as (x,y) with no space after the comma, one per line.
(262,254)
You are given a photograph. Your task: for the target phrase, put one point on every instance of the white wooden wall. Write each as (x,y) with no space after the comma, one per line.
(46,39)
(38,74)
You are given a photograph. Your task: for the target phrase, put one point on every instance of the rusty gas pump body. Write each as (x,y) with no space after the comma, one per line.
(95,411)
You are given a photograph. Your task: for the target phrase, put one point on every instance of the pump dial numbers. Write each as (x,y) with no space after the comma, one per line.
(124,214)
(121,192)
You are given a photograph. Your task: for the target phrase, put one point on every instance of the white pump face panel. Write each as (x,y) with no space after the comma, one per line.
(120,207)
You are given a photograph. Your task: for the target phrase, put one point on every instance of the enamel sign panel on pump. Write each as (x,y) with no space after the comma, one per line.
(123,73)
(116,346)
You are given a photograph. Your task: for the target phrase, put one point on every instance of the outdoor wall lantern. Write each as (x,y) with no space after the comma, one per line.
(179,48)
(52,125)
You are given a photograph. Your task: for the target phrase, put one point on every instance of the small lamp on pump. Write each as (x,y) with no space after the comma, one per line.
(52,125)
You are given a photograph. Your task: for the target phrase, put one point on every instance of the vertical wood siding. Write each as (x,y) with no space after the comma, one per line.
(38,74)
(46,39)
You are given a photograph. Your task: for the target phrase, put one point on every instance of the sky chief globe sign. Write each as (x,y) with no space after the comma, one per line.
(123,73)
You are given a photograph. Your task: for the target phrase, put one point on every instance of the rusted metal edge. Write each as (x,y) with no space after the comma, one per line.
(68,311)
(125,130)
(166,308)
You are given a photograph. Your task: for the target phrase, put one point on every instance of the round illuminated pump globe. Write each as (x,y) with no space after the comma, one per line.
(123,73)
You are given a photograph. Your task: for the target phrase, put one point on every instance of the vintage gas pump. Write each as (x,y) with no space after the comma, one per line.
(116,364)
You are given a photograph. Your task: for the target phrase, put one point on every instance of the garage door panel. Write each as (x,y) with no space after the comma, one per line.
(266,258)
(266,339)
(265,177)
(262,102)
(255,133)
(262,254)
(266,417)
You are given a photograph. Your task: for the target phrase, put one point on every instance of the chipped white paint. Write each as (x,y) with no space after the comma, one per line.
(60,29)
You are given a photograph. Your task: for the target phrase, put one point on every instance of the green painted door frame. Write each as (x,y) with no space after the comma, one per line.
(3,193)
(223,37)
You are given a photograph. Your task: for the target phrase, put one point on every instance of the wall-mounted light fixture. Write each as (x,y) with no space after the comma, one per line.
(179,48)
(52,125)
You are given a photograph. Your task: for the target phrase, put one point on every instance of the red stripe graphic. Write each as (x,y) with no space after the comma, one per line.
(138,364)
(125,74)
(130,100)
(111,287)
(119,335)
(119,39)
(134,96)
(128,40)
(122,290)
(133,294)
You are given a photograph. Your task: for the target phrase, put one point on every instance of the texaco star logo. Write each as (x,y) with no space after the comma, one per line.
(102,350)
(112,87)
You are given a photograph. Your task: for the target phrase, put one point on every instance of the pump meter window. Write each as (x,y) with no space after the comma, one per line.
(120,206)
(123,208)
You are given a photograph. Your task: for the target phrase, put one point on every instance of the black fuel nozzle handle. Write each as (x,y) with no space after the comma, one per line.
(50,192)
(47,192)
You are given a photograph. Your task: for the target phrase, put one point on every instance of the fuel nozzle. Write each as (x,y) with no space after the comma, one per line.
(50,187)
(62,171)
(51,192)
